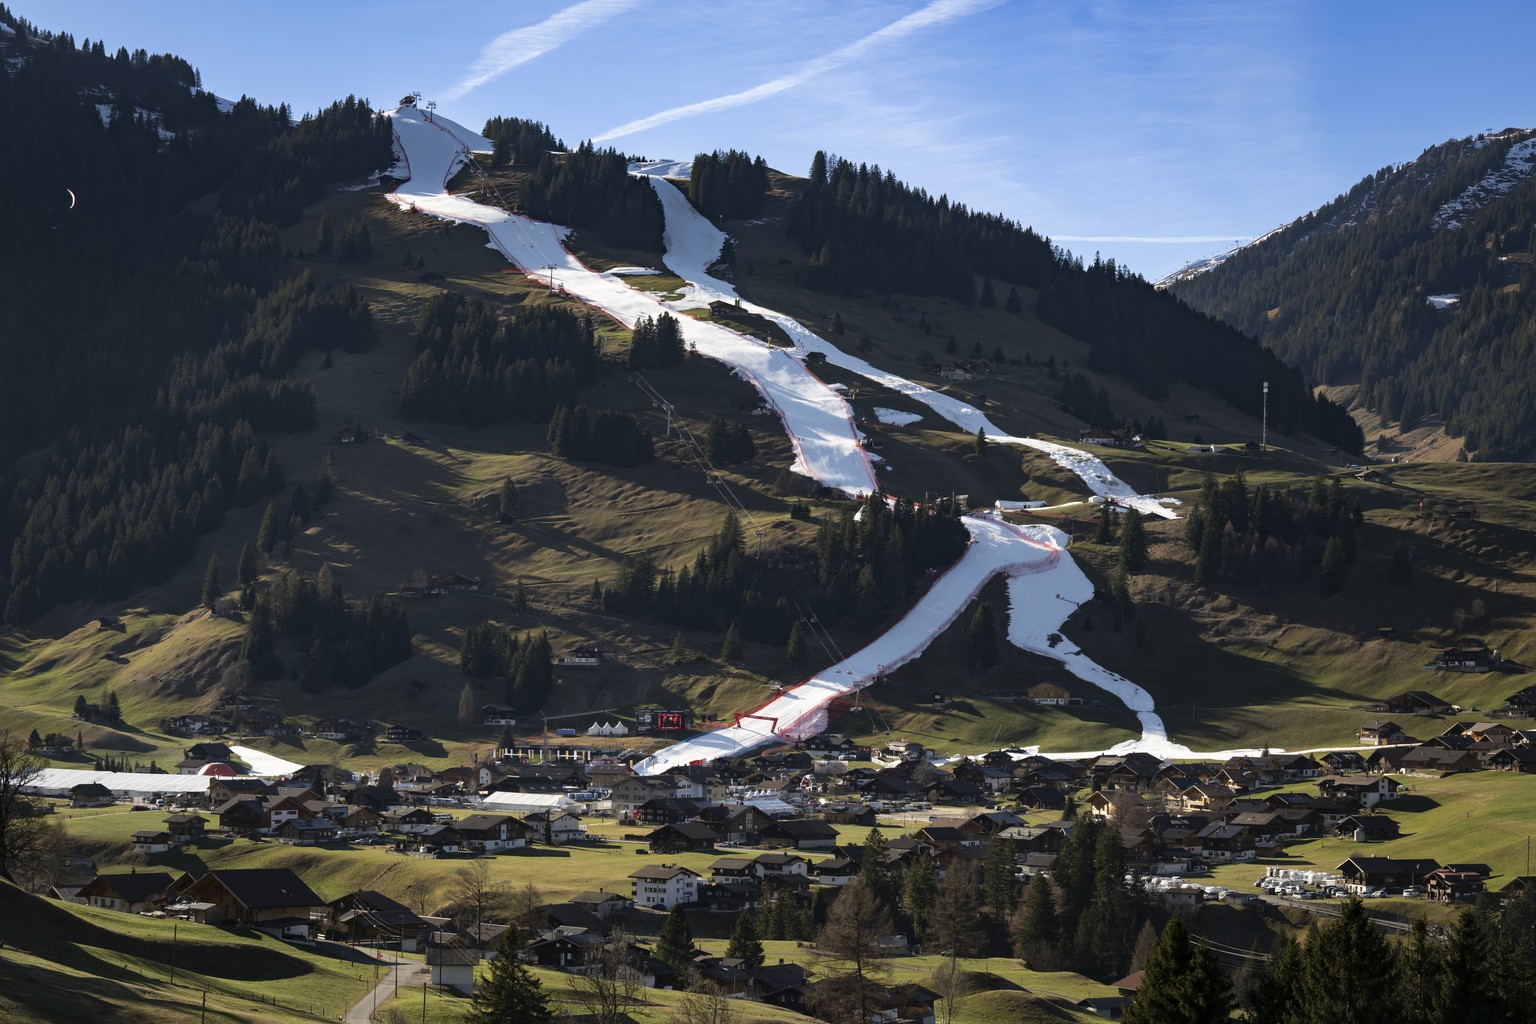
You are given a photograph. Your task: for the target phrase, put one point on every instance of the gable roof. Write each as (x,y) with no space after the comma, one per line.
(258,888)
(134,887)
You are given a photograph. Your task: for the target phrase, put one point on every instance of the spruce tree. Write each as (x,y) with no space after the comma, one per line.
(213,583)
(1105,532)
(1037,927)
(730,650)
(510,992)
(794,650)
(1335,568)
(981,442)
(919,893)
(1014,303)
(508,504)
(270,532)
(981,642)
(1182,983)
(325,236)
(1133,544)
(674,944)
(746,944)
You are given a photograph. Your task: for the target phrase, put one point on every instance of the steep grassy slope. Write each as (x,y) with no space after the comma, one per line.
(66,963)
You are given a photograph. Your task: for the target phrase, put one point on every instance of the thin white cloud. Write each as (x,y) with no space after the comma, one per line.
(935,13)
(521,45)
(1154,239)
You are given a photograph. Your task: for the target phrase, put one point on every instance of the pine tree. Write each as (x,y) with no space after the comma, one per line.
(680,652)
(1002,886)
(1037,928)
(837,324)
(510,992)
(326,489)
(213,583)
(730,650)
(981,443)
(988,296)
(1014,303)
(508,504)
(325,236)
(952,927)
(270,532)
(114,709)
(1105,532)
(1335,568)
(919,893)
(981,642)
(1182,983)
(794,650)
(1133,544)
(674,944)
(746,944)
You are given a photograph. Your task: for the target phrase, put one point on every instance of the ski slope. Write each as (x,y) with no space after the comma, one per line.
(693,244)
(996,546)
(817,419)
(819,424)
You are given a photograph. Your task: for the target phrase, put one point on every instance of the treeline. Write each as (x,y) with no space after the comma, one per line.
(656,343)
(1481,967)
(110,514)
(346,646)
(730,184)
(864,230)
(160,324)
(480,368)
(1343,293)
(525,664)
(611,437)
(1152,339)
(1270,535)
(592,188)
(519,141)
(864,568)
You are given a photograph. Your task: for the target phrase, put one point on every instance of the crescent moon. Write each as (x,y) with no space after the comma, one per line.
(71,197)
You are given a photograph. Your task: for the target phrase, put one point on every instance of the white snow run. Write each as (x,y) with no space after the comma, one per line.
(816,418)
(820,425)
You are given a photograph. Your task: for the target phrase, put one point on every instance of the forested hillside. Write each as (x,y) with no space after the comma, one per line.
(1344,292)
(867,231)
(171,331)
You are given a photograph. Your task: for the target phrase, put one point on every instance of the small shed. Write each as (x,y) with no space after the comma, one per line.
(454,966)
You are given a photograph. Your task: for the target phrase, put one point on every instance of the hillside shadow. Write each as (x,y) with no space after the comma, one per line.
(1412,803)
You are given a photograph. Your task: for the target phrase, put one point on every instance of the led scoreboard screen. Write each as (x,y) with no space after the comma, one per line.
(669,721)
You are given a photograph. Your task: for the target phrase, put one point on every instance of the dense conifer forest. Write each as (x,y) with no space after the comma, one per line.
(866,566)
(478,367)
(1343,293)
(592,188)
(867,231)
(171,330)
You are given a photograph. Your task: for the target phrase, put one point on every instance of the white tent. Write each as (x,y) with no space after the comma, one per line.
(528,803)
(124,785)
(608,729)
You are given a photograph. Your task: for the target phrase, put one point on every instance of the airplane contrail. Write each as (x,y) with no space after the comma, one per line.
(935,13)
(521,45)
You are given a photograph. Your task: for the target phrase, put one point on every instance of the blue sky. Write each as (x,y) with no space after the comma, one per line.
(1151,132)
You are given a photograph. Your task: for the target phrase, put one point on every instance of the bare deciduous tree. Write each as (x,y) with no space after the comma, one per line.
(30,845)
(852,958)
(704,1003)
(610,984)
(476,896)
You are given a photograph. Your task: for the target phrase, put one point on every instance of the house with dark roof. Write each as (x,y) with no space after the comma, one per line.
(1381,732)
(664,886)
(1363,874)
(131,893)
(91,794)
(492,833)
(1367,828)
(680,837)
(371,918)
(1419,702)
(275,900)
(799,835)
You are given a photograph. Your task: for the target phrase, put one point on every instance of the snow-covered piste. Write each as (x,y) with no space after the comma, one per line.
(816,418)
(996,546)
(693,244)
(820,425)
(265,764)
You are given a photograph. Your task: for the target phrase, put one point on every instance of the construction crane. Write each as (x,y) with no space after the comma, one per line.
(544,751)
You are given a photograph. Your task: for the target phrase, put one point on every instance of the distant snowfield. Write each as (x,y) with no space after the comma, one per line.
(1442,301)
(820,426)
(1519,165)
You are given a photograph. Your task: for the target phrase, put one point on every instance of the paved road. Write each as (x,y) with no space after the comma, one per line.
(401,974)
